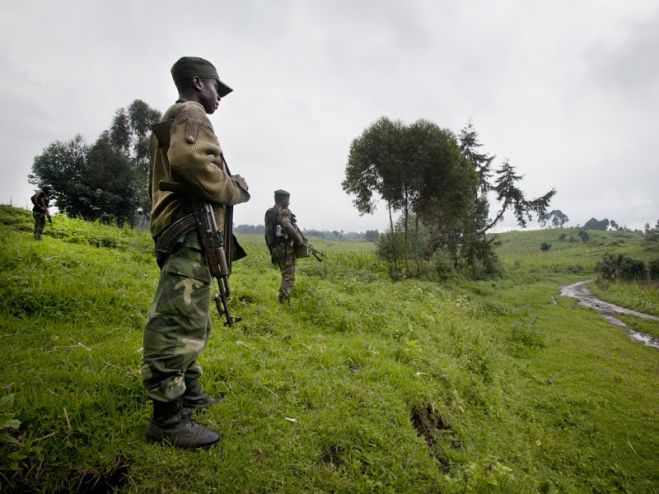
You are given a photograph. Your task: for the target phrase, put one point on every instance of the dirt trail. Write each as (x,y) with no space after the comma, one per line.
(608,311)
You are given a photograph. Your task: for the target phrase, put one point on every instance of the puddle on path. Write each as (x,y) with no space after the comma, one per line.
(608,311)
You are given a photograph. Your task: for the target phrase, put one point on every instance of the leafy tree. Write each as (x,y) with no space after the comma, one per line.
(408,167)
(438,182)
(595,224)
(373,167)
(111,182)
(557,217)
(129,135)
(107,179)
(63,165)
(371,235)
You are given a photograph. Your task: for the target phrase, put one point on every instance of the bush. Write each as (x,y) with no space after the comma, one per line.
(653,269)
(544,246)
(621,267)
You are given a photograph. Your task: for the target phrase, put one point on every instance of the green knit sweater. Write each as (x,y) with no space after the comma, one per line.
(194,160)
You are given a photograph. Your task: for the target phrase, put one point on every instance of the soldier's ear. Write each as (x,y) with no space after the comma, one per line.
(197,84)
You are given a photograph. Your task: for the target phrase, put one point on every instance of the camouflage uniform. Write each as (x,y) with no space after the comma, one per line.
(282,236)
(178,324)
(41,202)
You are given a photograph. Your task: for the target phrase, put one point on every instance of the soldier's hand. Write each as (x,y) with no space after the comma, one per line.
(241,182)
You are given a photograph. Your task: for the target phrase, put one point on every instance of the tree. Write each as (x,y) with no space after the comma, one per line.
(374,167)
(107,179)
(371,235)
(111,182)
(62,165)
(129,135)
(595,224)
(415,169)
(424,172)
(557,217)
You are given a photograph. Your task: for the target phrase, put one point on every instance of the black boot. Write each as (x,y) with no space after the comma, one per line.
(194,397)
(170,424)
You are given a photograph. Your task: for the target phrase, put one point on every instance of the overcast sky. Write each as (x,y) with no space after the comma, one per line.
(567,90)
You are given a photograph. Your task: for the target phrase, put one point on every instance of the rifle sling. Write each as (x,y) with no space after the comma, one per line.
(168,239)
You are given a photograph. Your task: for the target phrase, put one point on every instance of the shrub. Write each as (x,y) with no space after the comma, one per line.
(544,246)
(653,269)
(620,266)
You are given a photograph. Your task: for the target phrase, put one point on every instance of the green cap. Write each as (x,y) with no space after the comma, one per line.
(281,193)
(188,67)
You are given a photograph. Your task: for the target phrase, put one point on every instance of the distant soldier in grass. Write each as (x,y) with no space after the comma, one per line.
(184,149)
(282,237)
(41,203)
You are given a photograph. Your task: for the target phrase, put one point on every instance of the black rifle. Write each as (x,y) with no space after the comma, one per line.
(310,250)
(316,253)
(212,242)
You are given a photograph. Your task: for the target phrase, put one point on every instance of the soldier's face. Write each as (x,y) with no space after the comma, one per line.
(210,98)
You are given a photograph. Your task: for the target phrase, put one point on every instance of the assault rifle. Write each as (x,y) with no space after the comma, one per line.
(306,249)
(212,242)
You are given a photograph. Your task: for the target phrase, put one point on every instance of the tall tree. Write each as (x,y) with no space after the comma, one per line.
(558,218)
(62,165)
(374,167)
(106,179)
(423,171)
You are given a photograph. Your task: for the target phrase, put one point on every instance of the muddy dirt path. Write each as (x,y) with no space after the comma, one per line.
(609,311)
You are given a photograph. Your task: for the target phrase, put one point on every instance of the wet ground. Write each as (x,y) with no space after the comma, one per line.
(580,292)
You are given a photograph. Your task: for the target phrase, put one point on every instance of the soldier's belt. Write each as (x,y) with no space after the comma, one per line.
(171,235)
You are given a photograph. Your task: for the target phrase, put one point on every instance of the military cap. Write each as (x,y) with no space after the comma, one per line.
(281,193)
(46,187)
(188,67)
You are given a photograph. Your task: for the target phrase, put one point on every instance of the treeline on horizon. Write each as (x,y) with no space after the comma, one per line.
(367,236)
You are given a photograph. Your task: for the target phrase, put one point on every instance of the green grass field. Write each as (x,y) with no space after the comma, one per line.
(360,385)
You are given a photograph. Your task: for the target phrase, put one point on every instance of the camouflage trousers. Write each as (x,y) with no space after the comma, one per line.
(178,324)
(39,224)
(285,256)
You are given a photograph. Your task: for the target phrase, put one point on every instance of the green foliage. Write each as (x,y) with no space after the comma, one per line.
(595,224)
(441,183)
(557,217)
(653,269)
(360,385)
(107,179)
(621,267)
(544,246)
(583,235)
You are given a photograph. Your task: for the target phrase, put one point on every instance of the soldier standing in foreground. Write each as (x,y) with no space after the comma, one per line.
(41,202)
(282,237)
(184,150)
